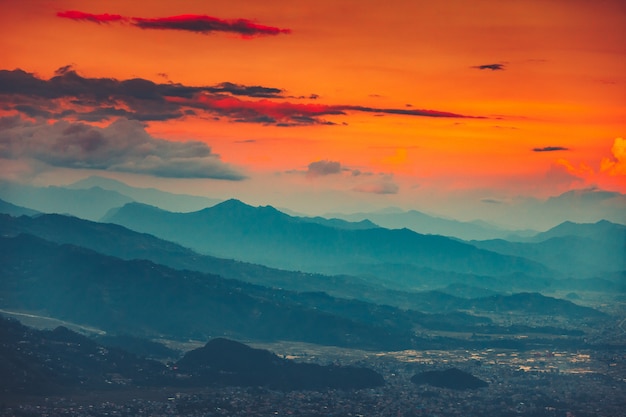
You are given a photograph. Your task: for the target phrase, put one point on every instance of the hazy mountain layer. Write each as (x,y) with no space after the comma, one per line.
(151,196)
(578,250)
(426,224)
(118,241)
(267,236)
(13,210)
(89,204)
(143,298)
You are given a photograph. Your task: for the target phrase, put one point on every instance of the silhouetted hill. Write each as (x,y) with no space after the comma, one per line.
(579,250)
(60,361)
(13,210)
(452,378)
(152,196)
(264,235)
(228,362)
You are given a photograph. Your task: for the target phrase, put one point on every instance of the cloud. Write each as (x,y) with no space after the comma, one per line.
(122,146)
(492,67)
(189,22)
(563,172)
(262,111)
(550,149)
(407,112)
(89,17)
(617,164)
(70,95)
(323,168)
(385,185)
(380,188)
(208,24)
(290,114)
(246,90)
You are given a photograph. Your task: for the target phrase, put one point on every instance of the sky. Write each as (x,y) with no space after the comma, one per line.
(316,106)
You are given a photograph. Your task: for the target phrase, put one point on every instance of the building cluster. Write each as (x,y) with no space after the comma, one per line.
(555,384)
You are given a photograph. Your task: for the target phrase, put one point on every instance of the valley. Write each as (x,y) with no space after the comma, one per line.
(156,286)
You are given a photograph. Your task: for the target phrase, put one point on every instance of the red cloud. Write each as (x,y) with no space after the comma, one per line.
(208,24)
(286,113)
(187,22)
(96,18)
(69,95)
(263,111)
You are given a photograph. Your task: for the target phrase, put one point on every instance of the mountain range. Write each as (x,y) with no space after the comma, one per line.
(91,204)
(93,197)
(151,196)
(13,210)
(267,236)
(427,224)
(582,250)
(137,296)
(143,298)
(123,281)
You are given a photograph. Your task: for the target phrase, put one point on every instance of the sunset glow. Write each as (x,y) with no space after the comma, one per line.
(396,103)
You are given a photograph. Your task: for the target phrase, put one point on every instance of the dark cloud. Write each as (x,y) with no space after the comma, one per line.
(406,112)
(245,90)
(323,168)
(123,146)
(293,114)
(550,149)
(89,17)
(101,98)
(491,201)
(492,67)
(208,24)
(189,22)
(68,94)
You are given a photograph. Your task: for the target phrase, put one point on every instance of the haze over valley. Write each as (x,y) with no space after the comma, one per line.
(257,275)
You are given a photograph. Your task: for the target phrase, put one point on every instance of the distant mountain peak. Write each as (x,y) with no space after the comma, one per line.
(232,202)
(240,208)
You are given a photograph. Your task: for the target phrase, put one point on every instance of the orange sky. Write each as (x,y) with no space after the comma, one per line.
(553,79)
